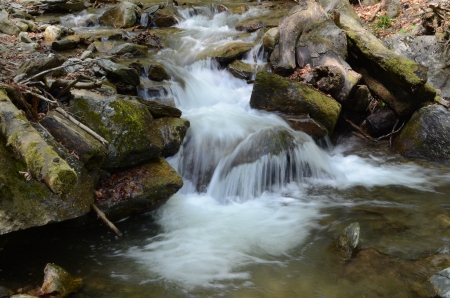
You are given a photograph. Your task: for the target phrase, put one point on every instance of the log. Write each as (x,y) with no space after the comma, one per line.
(42,161)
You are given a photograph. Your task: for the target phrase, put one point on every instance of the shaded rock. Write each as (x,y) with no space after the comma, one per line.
(274,93)
(164,18)
(306,124)
(380,122)
(124,122)
(114,71)
(23,37)
(402,77)
(144,188)
(245,71)
(173,131)
(88,149)
(427,134)
(349,239)
(6,26)
(64,44)
(441,283)
(58,279)
(129,48)
(37,65)
(153,70)
(427,51)
(122,15)
(159,110)
(270,39)
(360,101)
(249,25)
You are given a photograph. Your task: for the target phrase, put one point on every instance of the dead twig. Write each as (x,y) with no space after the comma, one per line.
(67,89)
(366,135)
(105,220)
(41,97)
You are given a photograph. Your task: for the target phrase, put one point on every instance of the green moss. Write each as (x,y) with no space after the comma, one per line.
(63,178)
(80,107)
(34,159)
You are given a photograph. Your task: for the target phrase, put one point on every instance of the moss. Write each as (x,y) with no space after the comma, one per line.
(63,178)
(80,107)
(34,159)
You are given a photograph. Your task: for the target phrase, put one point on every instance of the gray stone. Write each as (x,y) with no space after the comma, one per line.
(37,65)
(441,283)
(86,54)
(27,47)
(6,26)
(126,75)
(22,26)
(270,39)
(4,49)
(23,37)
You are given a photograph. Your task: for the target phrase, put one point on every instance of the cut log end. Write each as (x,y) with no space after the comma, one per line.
(62,179)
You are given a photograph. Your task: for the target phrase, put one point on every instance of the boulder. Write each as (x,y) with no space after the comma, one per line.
(426,135)
(59,280)
(125,123)
(27,47)
(37,65)
(403,78)
(381,122)
(129,48)
(64,5)
(427,51)
(228,53)
(122,15)
(245,71)
(173,131)
(104,46)
(270,39)
(6,26)
(272,92)
(138,190)
(166,17)
(120,73)
(22,26)
(153,70)
(249,25)
(441,283)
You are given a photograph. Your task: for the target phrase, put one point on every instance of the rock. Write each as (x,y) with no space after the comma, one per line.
(22,26)
(64,44)
(58,279)
(245,71)
(393,8)
(427,51)
(118,72)
(6,26)
(27,47)
(403,78)
(230,52)
(426,135)
(104,46)
(131,48)
(4,291)
(37,65)
(274,93)
(4,49)
(156,72)
(270,39)
(64,6)
(144,188)
(23,37)
(88,149)
(86,54)
(249,25)
(173,131)
(124,122)
(52,33)
(306,124)
(441,283)
(164,18)
(159,110)
(349,239)
(381,122)
(122,15)
(360,100)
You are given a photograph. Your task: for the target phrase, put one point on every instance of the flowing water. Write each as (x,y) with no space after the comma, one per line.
(261,204)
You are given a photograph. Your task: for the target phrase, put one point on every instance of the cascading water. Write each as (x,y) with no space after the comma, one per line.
(250,181)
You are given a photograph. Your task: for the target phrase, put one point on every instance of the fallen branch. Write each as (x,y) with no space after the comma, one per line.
(380,7)
(366,135)
(67,89)
(41,97)
(82,126)
(391,133)
(79,85)
(105,220)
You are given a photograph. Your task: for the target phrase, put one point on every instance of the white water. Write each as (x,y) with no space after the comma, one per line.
(241,214)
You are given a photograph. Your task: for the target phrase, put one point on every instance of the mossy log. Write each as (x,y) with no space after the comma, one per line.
(402,77)
(42,161)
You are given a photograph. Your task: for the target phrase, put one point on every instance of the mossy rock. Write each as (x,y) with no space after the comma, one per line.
(122,15)
(228,53)
(124,122)
(59,280)
(153,184)
(426,135)
(173,131)
(242,70)
(272,92)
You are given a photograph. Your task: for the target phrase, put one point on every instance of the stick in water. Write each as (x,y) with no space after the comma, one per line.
(105,220)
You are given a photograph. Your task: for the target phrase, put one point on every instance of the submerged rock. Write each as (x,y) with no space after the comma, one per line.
(275,93)
(349,239)
(59,280)
(427,134)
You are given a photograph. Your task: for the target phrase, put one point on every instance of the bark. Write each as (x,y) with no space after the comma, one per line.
(42,161)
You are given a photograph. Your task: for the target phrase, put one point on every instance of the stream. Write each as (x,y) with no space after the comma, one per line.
(261,204)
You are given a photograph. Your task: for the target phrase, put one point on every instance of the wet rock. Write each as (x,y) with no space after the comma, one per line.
(275,93)
(159,110)
(230,52)
(37,65)
(173,131)
(138,190)
(249,25)
(129,48)
(306,124)
(242,70)
(360,101)
(270,39)
(349,239)
(6,26)
(124,122)
(122,15)
(23,37)
(441,283)
(427,51)
(153,70)
(118,72)
(64,44)
(381,122)
(427,134)
(164,18)
(59,280)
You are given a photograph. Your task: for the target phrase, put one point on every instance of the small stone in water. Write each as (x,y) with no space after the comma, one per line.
(349,238)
